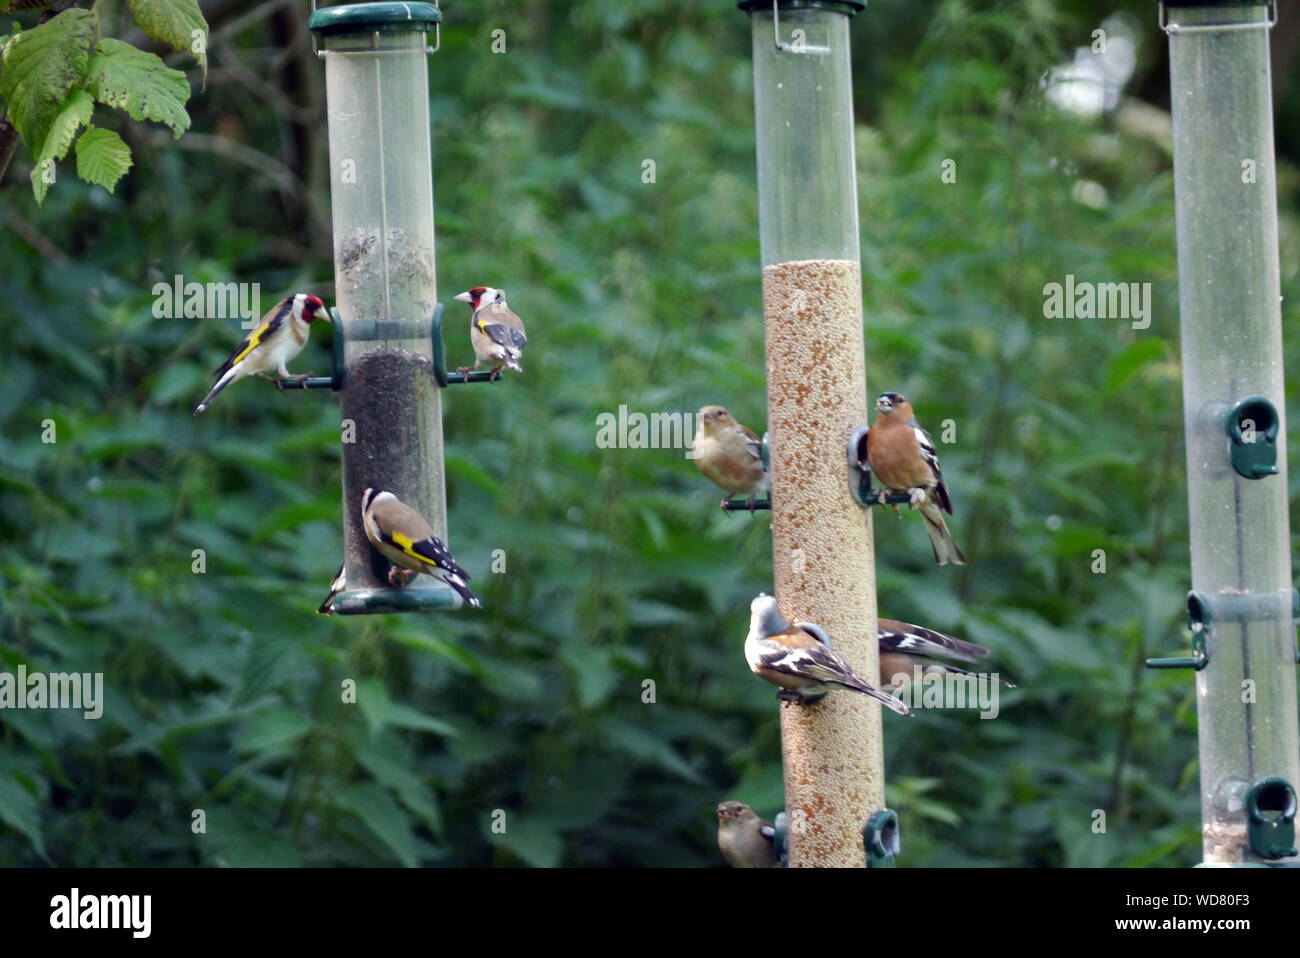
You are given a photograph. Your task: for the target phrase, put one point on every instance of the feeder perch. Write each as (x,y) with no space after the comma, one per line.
(1230,327)
(880,838)
(381,191)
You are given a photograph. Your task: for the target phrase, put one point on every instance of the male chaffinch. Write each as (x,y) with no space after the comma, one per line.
(903,646)
(746,840)
(901,454)
(730,455)
(403,538)
(278,338)
(798,658)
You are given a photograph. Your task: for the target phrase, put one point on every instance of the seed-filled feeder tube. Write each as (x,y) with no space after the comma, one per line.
(816,396)
(1234,409)
(381,186)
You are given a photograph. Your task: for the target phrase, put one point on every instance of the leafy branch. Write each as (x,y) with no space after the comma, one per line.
(55,73)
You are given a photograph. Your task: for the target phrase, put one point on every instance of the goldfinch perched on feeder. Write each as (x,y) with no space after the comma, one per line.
(730,455)
(403,538)
(340,580)
(798,658)
(279,337)
(496,332)
(904,646)
(746,841)
(901,454)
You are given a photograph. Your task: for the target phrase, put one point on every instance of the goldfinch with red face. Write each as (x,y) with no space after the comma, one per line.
(903,646)
(901,454)
(277,339)
(745,840)
(403,538)
(730,455)
(798,658)
(496,333)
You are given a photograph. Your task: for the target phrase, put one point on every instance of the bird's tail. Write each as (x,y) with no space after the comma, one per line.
(945,548)
(230,375)
(457,583)
(327,607)
(859,685)
(953,670)
(511,359)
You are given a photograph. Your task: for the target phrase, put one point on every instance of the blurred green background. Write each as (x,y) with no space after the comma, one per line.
(223,689)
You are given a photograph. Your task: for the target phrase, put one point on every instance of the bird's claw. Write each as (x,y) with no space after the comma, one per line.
(494,375)
(723,506)
(279,384)
(750,503)
(464,372)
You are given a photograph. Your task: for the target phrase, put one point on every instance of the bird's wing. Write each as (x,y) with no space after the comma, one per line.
(270,323)
(813,661)
(917,640)
(429,551)
(752,442)
(501,326)
(932,460)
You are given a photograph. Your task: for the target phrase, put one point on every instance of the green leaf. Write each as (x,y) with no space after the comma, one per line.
(139,84)
(383,816)
(72,117)
(177,23)
(18,809)
(102,157)
(273,731)
(41,67)
(533,840)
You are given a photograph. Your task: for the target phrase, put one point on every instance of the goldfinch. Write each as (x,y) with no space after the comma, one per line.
(901,454)
(798,658)
(496,333)
(746,841)
(903,646)
(278,338)
(730,455)
(403,538)
(340,580)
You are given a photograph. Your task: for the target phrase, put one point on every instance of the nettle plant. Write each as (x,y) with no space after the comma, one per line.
(53,74)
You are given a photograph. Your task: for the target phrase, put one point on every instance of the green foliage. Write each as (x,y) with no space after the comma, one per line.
(49,69)
(226,693)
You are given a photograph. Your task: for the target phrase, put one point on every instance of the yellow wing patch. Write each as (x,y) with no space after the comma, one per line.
(253,341)
(407,545)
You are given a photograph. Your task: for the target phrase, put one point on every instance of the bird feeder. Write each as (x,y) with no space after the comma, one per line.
(816,394)
(381,189)
(1241,608)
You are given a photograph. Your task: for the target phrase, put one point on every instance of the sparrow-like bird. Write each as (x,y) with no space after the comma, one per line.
(901,454)
(403,538)
(904,646)
(746,841)
(278,338)
(496,333)
(729,454)
(340,580)
(798,658)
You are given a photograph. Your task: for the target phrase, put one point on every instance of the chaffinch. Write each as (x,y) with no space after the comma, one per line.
(903,646)
(730,455)
(798,658)
(901,455)
(746,840)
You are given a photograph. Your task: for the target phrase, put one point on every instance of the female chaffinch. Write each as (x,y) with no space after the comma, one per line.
(730,455)
(746,841)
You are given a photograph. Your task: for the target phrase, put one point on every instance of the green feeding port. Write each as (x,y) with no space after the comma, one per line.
(1231,345)
(381,190)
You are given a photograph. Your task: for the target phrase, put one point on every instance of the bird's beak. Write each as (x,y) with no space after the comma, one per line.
(883,404)
(464,297)
(325,315)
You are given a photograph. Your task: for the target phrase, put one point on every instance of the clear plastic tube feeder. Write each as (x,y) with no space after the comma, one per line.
(381,188)
(816,396)
(1241,606)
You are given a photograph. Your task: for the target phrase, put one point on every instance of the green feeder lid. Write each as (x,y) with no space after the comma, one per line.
(850,7)
(359,17)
